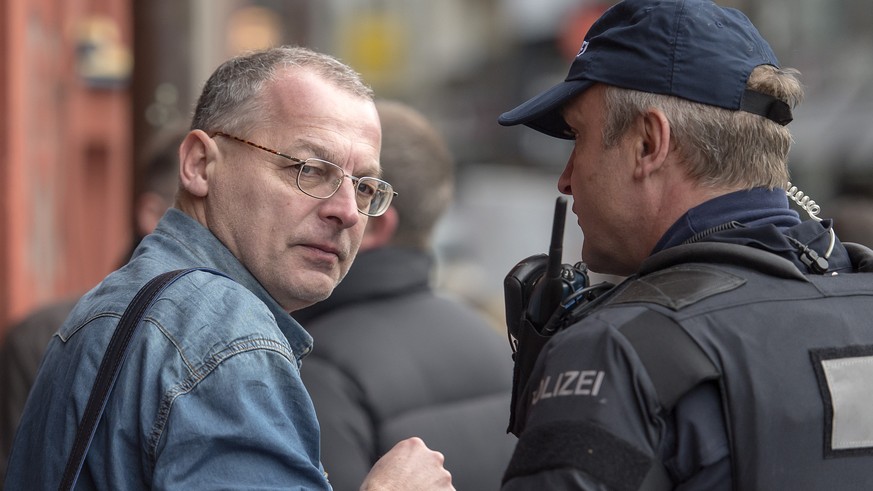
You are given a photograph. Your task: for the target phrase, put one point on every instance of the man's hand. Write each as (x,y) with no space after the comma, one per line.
(410,465)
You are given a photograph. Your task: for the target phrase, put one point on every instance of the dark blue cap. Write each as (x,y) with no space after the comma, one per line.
(691,49)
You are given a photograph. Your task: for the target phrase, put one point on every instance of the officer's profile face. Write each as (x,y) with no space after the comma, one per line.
(601,181)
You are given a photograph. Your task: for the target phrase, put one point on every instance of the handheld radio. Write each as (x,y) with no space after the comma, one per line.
(539,294)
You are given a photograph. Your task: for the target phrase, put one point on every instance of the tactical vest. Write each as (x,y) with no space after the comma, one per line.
(791,353)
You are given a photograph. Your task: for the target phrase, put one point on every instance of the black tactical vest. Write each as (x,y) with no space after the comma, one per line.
(792,354)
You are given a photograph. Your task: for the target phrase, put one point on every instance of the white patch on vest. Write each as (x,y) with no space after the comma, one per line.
(849,384)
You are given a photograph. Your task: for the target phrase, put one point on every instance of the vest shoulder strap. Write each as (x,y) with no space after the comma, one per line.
(674,361)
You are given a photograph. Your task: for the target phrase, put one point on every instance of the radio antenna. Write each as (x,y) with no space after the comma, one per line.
(553,289)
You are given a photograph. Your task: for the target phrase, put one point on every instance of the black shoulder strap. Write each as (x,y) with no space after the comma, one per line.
(653,335)
(109,368)
(673,360)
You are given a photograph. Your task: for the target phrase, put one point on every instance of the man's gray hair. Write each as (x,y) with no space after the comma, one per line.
(720,147)
(231,100)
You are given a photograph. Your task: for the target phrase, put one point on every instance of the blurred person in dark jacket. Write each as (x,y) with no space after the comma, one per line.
(394,357)
(24,344)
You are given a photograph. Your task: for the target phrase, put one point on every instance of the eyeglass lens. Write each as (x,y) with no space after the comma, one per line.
(321,179)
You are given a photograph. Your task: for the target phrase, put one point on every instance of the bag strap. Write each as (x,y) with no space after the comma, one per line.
(110,366)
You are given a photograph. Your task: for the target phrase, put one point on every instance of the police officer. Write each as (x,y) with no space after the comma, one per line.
(735,354)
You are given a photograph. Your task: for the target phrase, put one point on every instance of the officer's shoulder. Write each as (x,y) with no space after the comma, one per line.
(683,276)
(687,274)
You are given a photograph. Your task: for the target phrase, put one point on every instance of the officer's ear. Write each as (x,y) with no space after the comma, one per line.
(652,142)
(196,154)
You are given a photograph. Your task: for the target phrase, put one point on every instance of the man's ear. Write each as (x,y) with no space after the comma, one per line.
(195,154)
(653,144)
(380,230)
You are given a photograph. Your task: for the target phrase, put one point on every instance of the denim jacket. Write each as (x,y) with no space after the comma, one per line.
(209,397)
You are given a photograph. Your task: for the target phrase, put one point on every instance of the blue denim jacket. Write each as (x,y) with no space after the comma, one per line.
(209,397)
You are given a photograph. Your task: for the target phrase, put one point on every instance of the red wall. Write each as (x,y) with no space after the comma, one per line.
(65,148)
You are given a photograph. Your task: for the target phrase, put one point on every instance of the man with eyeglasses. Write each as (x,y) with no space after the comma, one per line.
(278,177)
(379,371)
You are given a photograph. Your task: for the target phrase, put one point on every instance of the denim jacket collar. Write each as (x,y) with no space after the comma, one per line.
(196,243)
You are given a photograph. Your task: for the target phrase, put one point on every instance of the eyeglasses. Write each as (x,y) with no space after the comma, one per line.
(322,179)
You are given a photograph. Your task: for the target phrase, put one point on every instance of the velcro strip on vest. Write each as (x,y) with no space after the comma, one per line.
(679,286)
(589,448)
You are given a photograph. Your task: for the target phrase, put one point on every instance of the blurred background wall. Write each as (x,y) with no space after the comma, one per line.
(84,83)
(65,140)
